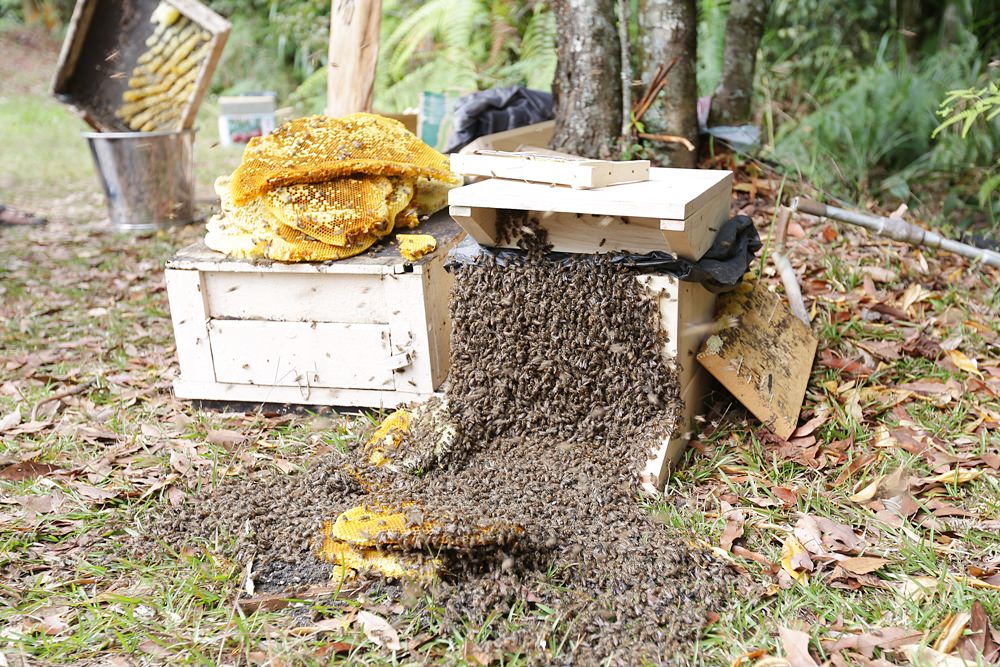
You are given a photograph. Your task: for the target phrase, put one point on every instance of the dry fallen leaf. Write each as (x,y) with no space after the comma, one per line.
(881,638)
(862,564)
(51,620)
(867,492)
(956,476)
(225,437)
(952,630)
(336,624)
(916,588)
(795,560)
(964,363)
(796,645)
(925,656)
(379,630)
(979,642)
(17,472)
(733,530)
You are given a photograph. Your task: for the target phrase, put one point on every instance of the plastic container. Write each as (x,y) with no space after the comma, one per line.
(148,177)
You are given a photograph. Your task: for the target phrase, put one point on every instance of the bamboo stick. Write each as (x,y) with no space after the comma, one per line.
(898,230)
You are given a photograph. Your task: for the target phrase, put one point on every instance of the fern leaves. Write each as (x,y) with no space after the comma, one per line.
(462,46)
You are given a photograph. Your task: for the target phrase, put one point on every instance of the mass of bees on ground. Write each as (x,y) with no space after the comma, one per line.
(515,491)
(165,75)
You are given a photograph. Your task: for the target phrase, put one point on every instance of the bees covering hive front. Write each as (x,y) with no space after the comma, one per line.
(321,188)
(163,81)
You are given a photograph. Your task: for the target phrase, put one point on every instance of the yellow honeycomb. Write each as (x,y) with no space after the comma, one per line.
(322,188)
(338,211)
(415,246)
(164,77)
(249,232)
(319,148)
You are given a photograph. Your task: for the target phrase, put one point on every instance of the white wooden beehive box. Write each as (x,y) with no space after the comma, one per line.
(678,211)
(369,331)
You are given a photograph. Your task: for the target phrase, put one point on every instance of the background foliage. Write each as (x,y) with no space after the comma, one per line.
(847,93)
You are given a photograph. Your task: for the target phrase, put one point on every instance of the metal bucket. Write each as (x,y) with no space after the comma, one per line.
(148,177)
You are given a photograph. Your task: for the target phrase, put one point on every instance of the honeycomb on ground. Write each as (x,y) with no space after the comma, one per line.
(321,188)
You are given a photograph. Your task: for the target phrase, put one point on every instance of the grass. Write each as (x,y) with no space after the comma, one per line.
(84,307)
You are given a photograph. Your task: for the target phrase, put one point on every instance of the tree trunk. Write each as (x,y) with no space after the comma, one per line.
(669,28)
(744,28)
(587,86)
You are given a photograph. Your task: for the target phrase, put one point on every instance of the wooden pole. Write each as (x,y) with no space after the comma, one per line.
(354,39)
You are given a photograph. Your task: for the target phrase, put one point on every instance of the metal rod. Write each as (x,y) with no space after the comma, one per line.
(898,230)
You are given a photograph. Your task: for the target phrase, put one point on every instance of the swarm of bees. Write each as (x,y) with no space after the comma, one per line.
(321,188)
(165,75)
(519,487)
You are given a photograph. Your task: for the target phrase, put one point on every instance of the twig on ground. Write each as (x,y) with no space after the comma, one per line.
(669,138)
(79,389)
(791,283)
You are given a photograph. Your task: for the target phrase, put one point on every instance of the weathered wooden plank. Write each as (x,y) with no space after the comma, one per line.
(538,134)
(353,55)
(219,28)
(765,360)
(587,233)
(302,354)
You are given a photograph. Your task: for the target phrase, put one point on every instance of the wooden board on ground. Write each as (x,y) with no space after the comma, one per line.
(764,359)
(548,167)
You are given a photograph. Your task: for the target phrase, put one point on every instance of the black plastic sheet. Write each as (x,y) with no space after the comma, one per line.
(719,270)
(496,110)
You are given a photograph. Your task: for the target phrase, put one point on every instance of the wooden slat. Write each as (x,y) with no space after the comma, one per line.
(686,312)
(547,168)
(586,233)
(78,25)
(301,354)
(353,55)
(382,258)
(438,285)
(189,316)
(538,134)
(669,194)
(296,297)
(219,28)
(249,393)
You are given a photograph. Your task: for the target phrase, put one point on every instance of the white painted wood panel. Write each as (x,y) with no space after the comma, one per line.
(251,393)
(190,319)
(296,297)
(302,355)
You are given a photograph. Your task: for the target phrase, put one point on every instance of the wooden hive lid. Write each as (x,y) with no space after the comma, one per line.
(669,194)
